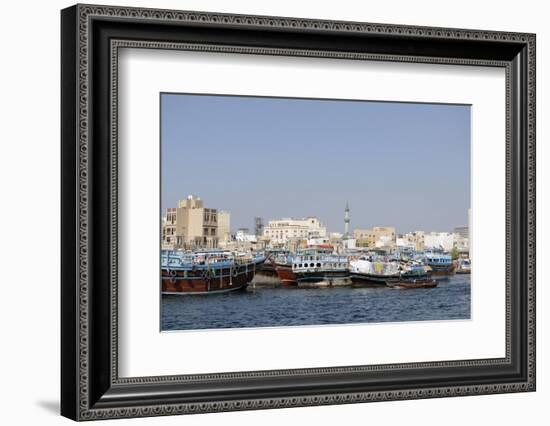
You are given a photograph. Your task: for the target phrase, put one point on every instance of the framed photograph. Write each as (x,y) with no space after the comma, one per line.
(263,212)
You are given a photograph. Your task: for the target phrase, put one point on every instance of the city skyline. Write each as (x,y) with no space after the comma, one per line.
(250,227)
(396,164)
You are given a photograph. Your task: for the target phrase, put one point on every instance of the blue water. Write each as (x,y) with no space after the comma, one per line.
(277,307)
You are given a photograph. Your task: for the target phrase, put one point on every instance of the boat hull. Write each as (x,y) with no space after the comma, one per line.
(197,292)
(268,269)
(206,281)
(267,275)
(441,271)
(370,280)
(412,284)
(286,275)
(323,279)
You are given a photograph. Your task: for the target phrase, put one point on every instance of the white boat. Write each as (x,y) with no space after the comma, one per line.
(464,266)
(373,272)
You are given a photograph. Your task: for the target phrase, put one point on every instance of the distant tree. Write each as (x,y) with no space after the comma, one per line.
(454,253)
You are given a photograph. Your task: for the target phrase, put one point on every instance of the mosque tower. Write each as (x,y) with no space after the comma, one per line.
(346,221)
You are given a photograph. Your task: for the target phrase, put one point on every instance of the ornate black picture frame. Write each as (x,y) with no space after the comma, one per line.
(91,36)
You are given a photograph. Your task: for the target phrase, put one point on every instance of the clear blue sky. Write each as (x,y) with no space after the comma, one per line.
(397,164)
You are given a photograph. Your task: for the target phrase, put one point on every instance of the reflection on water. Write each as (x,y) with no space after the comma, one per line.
(276,307)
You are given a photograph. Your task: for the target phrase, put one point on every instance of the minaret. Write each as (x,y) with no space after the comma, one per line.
(346,221)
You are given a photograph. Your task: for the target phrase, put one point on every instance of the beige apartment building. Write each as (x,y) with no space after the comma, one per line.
(417,238)
(190,225)
(169,228)
(224,226)
(377,236)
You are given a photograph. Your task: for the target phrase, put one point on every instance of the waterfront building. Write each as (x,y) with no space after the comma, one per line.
(377,236)
(224,226)
(244,235)
(318,241)
(362,237)
(169,229)
(190,225)
(439,240)
(462,231)
(462,236)
(281,231)
(462,240)
(335,240)
(402,242)
(415,239)
(349,243)
(462,244)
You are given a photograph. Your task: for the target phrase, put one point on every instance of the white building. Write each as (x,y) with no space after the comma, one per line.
(384,241)
(377,236)
(404,242)
(349,243)
(439,240)
(462,244)
(318,241)
(282,230)
(243,235)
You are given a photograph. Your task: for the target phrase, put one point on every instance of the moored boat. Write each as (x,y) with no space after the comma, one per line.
(268,268)
(412,276)
(207,272)
(267,274)
(286,275)
(440,264)
(283,268)
(272,258)
(316,268)
(464,266)
(370,273)
(413,283)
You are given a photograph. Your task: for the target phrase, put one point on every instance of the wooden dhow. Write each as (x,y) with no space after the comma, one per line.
(207,272)
(317,268)
(412,276)
(439,264)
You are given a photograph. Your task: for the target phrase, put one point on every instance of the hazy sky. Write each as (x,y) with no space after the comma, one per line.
(397,164)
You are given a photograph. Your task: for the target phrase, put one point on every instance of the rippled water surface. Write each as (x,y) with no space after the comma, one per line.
(275,307)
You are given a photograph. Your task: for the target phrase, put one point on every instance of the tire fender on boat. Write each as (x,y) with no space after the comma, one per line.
(172,274)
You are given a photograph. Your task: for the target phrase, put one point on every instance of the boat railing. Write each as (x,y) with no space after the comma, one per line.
(175,258)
